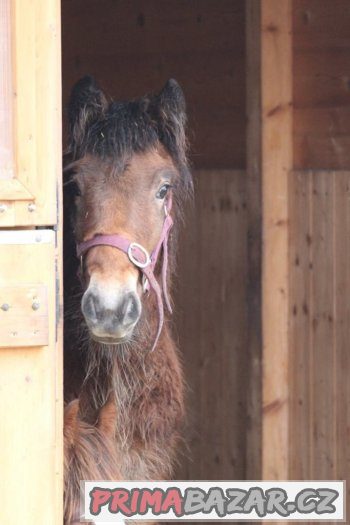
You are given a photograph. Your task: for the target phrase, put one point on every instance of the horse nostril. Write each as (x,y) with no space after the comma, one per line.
(89,306)
(130,309)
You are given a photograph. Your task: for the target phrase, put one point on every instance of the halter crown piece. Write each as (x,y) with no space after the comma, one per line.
(146,263)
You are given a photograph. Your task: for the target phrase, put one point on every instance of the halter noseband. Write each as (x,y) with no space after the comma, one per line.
(140,258)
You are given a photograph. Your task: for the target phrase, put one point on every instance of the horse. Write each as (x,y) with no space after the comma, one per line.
(126,178)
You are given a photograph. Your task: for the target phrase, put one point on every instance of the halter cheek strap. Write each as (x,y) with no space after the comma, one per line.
(146,263)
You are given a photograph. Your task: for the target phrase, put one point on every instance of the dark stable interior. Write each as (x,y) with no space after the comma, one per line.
(133,48)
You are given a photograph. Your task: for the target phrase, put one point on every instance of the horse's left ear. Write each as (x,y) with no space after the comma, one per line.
(171,109)
(172,100)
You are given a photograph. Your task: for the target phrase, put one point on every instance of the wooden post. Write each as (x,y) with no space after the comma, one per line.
(269,161)
(277,159)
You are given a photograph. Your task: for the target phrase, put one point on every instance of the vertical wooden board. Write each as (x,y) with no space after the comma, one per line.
(342,325)
(6,98)
(323,329)
(300,310)
(212,326)
(276,71)
(30,398)
(254,238)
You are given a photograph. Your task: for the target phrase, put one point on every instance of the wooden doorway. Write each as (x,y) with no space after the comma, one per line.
(30,263)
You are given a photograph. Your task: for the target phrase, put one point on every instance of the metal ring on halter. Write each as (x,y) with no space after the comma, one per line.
(132,258)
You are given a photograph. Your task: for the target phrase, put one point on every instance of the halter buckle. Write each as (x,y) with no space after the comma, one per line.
(136,262)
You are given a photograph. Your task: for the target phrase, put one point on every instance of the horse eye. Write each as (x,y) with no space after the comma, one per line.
(76,190)
(163,191)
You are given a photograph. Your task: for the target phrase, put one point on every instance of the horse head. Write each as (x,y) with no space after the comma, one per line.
(128,165)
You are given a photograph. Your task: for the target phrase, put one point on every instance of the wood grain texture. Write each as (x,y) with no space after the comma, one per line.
(341,308)
(33,107)
(30,444)
(31,391)
(212,327)
(323,348)
(300,312)
(320,320)
(321,84)
(276,79)
(23,316)
(133,47)
(6,93)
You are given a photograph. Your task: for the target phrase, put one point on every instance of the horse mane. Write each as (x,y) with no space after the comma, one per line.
(115,130)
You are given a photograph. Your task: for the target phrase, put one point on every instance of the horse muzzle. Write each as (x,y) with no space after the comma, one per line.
(111,318)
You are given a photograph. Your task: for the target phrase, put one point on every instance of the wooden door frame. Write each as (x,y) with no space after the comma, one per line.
(31,371)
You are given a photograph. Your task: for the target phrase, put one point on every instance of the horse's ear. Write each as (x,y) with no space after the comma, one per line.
(172,100)
(171,107)
(87,104)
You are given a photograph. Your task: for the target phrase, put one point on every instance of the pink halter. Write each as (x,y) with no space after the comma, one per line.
(139,256)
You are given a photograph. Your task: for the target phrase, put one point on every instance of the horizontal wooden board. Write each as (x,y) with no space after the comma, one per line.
(23,316)
(134,47)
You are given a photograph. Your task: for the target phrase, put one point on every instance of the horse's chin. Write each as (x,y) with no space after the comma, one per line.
(110,341)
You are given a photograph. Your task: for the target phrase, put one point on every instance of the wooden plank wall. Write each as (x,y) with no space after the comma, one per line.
(319,243)
(321,84)
(320,325)
(212,326)
(134,47)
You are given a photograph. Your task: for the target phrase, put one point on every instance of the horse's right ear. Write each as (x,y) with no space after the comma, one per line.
(87,104)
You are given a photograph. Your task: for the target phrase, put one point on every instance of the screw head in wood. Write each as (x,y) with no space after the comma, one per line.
(31,207)
(3,208)
(5,307)
(35,305)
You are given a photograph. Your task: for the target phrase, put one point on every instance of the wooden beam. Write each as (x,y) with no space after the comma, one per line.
(277,155)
